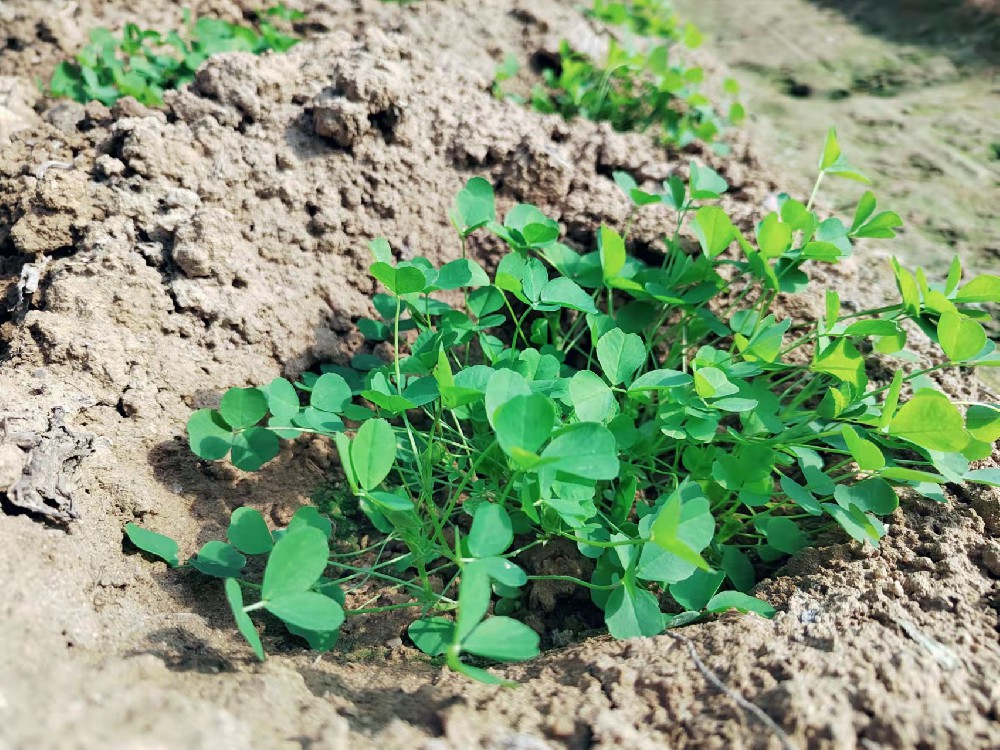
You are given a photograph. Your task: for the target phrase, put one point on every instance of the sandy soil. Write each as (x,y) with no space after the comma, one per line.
(912,87)
(221,242)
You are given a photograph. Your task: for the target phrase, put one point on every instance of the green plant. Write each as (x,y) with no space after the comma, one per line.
(639,85)
(145,63)
(661,415)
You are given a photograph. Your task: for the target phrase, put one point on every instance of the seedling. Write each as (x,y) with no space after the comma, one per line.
(145,63)
(662,416)
(642,83)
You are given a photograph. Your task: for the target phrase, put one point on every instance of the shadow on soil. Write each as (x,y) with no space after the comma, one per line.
(964,30)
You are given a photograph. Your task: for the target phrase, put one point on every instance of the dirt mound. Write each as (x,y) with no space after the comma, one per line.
(221,242)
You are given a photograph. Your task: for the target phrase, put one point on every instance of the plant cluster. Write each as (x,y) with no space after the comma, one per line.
(145,63)
(662,416)
(641,84)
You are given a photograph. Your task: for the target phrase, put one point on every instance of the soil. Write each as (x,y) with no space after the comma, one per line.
(221,241)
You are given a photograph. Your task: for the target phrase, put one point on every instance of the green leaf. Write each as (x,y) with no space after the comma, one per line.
(832,309)
(308,516)
(984,476)
(587,450)
(524,422)
(694,592)
(296,563)
(502,639)
(566,293)
(248,532)
(891,399)
(954,275)
(611,250)
(463,272)
(831,151)
(866,206)
(873,328)
(706,183)
(243,407)
(773,237)
(741,602)
(655,380)
(473,598)
(665,534)
(930,421)
(330,393)
(714,230)
(474,205)
(234,595)
(883,226)
(433,635)
(868,455)
(711,382)
(504,385)
(783,534)
(308,610)
(900,474)
(484,301)
(620,355)
(632,612)
(373,452)
(153,543)
(323,422)
(504,571)
(983,422)
(842,360)
(399,281)
(208,435)
(960,338)
(985,288)
(477,674)
(873,495)
(800,496)
(859,525)
(253,448)
(592,400)
(282,399)
(491,532)
(738,568)
(218,559)
(908,289)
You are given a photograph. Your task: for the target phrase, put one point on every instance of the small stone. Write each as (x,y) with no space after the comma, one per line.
(991,559)
(109,166)
(12,460)
(342,121)
(394,643)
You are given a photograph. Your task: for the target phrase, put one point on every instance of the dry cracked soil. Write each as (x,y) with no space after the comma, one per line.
(150,259)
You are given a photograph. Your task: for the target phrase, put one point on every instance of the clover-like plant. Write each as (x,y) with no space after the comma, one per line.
(641,84)
(144,63)
(663,416)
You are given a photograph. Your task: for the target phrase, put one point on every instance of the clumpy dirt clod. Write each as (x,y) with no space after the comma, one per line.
(221,242)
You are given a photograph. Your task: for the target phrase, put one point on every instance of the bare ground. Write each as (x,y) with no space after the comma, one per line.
(221,242)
